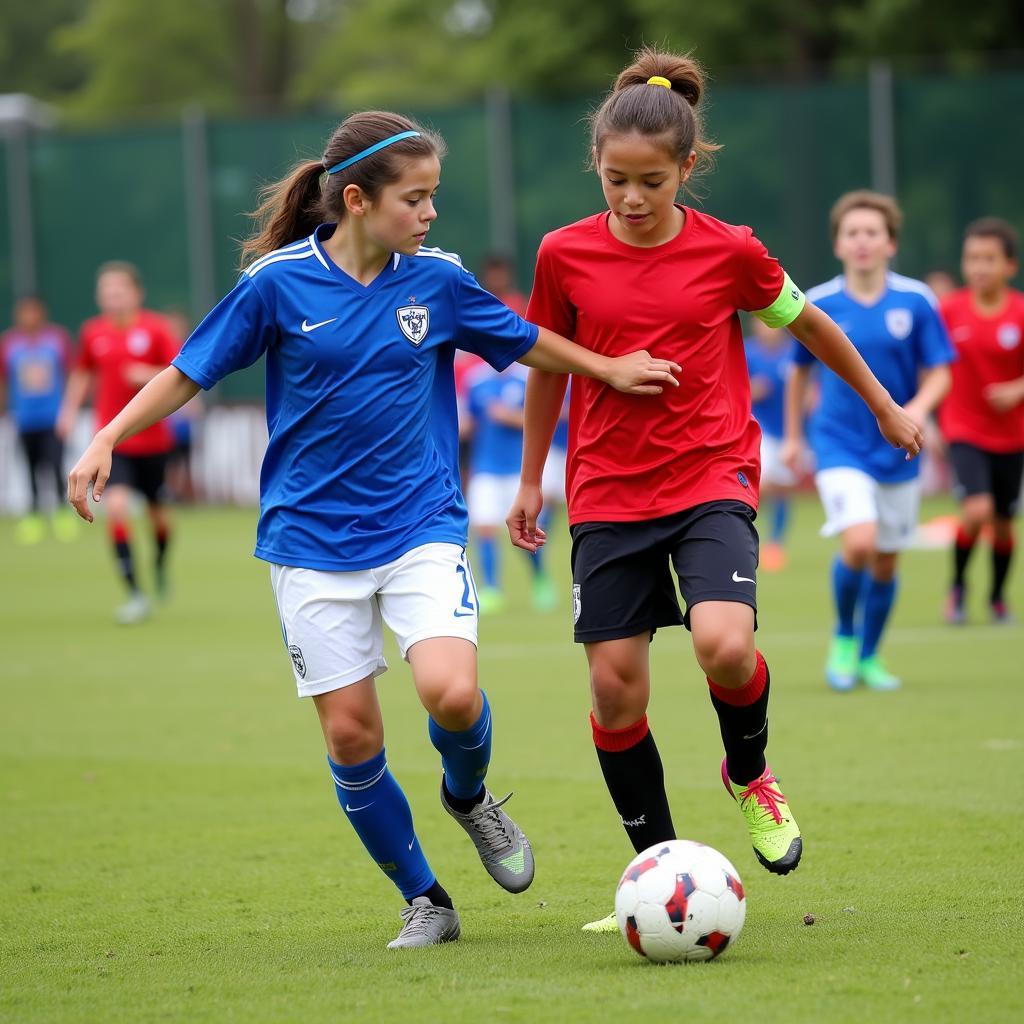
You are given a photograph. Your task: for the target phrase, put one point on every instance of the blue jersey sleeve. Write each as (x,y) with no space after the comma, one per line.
(932,339)
(487,327)
(233,335)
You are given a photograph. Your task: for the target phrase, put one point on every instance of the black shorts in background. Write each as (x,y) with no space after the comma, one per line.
(622,578)
(142,473)
(978,471)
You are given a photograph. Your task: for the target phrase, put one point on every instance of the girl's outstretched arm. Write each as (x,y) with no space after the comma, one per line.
(169,390)
(638,373)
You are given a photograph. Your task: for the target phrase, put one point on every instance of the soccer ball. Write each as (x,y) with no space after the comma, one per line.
(680,901)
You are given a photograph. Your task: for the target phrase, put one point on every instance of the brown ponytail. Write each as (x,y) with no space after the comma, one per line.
(291,208)
(673,114)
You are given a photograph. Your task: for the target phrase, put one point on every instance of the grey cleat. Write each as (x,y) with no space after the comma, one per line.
(133,611)
(502,845)
(423,924)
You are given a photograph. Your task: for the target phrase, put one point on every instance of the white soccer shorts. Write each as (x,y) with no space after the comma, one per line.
(552,483)
(490,497)
(850,497)
(773,469)
(333,621)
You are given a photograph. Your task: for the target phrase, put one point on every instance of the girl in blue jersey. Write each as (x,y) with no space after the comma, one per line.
(869,490)
(361,515)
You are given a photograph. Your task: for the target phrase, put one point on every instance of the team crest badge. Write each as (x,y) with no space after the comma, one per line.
(138,342)
(1008,336)
(414,321)
(577,604)
(297,660)
(899,322)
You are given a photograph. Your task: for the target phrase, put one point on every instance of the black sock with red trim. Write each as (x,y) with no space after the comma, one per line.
(635,778)
(743,720)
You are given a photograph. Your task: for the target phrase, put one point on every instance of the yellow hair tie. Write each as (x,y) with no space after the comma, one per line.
(658,80)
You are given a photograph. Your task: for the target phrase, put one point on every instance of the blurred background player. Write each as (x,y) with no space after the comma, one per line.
(121,350)
(184,422)
(34,357)
(496,407)
(983,416)
(497,277)
(769,356)
(941,282)
(869,490)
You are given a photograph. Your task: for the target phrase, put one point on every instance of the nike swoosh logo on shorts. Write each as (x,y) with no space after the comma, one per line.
(737,578)
(351,809)
(307,326)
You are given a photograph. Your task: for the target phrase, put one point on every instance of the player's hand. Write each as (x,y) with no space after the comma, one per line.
(917,414)
(640,373)
(91,470)
(521,521)
(1004,395)
(792,455)
(900,430)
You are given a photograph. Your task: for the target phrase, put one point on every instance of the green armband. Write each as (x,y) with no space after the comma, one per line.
(786,308)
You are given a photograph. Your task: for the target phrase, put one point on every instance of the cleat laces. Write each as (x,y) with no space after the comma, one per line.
(768,799)
(418,920)
(487,823)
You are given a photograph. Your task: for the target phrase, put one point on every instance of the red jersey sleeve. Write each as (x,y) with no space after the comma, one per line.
(759,275)
(84,360)
(549,306)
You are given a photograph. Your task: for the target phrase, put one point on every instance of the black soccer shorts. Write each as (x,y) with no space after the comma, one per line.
(979,471)
(622,572)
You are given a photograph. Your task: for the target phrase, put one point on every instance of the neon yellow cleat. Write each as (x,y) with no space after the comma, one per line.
(774,834)
(603,927)
(31,529)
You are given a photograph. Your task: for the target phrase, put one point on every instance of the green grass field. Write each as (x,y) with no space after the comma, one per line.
(171,847)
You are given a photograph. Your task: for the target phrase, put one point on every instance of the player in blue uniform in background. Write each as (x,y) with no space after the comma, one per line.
(34,358)
(361,514)
(769,356)
(496,405)
(870,491)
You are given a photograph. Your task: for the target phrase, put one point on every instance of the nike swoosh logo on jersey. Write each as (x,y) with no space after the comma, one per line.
(462,615)
(737,578)
(307,326)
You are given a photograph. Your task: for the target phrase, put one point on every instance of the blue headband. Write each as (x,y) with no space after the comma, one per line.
(370,150)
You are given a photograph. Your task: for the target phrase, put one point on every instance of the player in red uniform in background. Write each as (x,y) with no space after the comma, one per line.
(675,485)
(983,416)
(122,349)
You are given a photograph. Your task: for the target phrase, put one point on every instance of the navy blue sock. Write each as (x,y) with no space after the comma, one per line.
(846,590)
(465,755)
(379,812)
(537,561)
(488,551)
(780,520)
(879,596)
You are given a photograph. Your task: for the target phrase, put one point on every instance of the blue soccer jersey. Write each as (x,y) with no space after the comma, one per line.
(34,368)
(769,366)
(899,336)
(362,461)
(497,446)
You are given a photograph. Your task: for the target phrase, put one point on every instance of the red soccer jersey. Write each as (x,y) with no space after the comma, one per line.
(635,457)
(990,349)
(107,350)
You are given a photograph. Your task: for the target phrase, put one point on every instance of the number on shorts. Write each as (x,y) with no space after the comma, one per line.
(467,607)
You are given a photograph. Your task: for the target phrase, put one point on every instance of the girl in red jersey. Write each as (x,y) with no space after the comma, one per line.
(675,485)
(982,418)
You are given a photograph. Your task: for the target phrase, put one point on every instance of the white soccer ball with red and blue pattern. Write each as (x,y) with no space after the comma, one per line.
(680,901)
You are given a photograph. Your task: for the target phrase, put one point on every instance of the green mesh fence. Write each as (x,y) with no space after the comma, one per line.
(788,151)
(105,196)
